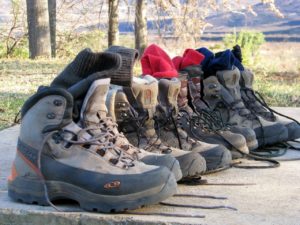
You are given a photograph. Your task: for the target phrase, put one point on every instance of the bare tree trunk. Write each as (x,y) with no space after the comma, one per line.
(52,23)
(38,28)
(140,26)
(113,22)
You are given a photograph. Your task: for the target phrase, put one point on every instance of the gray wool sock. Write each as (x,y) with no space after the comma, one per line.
(129,56)
(87,63)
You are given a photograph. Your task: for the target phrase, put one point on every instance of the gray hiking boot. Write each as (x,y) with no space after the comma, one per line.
(222,93)
(134,110)
(212,87)
(201,125)
(213,119)
(172,132)
(59,160)
(257,105)
(94,116)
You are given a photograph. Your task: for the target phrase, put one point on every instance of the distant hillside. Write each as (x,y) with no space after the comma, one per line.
(275,29)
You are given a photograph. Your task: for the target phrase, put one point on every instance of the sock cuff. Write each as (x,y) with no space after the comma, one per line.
(123,76)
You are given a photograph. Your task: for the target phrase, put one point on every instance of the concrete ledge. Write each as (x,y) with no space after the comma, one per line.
(272,197)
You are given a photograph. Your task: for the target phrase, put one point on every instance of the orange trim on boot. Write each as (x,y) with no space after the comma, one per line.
(30,164)
(13,173)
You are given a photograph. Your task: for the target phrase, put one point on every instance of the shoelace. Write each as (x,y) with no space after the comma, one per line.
(256,96)
(103,141)
(205,121)
(107,124)
(249,115)
(139,122)
(274,163)
(168,118)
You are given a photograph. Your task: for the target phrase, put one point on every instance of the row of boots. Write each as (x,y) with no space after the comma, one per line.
(114,142)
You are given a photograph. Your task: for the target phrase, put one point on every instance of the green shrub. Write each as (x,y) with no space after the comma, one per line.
(20,51)
(250,42)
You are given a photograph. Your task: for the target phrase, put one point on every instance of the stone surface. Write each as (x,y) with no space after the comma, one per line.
(271,196)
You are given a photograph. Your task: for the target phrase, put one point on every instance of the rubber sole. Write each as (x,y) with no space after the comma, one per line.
(31,191)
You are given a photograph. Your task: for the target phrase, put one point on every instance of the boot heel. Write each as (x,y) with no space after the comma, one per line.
(26,190)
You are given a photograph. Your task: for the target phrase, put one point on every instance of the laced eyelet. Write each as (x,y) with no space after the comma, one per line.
(113,161)
(57,102)
(51,116)
(101,152)
(57,138)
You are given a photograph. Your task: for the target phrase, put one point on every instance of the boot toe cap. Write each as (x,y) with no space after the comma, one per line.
(217,157)
(166,160)
(191,164)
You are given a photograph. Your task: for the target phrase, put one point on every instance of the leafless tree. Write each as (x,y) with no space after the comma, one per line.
(38,28)
(52,25)
(140,25)
(113,22)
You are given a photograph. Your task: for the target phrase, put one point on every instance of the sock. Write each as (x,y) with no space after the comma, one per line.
(85,64)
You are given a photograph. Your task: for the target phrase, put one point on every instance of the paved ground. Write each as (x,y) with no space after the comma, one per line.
(272,197)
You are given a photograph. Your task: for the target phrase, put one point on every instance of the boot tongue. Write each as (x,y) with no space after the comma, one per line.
(230,80)
(145,92)
(182,100)
(194,86)
(94,108)
(247,79)
(168,94)
(214,91)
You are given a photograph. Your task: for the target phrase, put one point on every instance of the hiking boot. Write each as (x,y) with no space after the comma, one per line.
(212,120)
(200,125)
(255,103)
(222,93)
(94,116)
(212,88)
(134,110)
(172,132)
(59,160)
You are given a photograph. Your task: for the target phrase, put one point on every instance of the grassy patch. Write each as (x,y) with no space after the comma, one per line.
(19,80)
(278,91)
